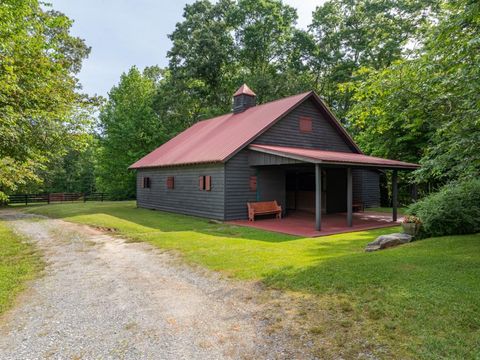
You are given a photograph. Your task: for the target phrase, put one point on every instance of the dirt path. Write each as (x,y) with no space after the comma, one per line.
(104,298)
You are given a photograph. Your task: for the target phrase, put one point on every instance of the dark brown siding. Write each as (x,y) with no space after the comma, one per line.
(286,132)
(371,188)
(366,187)
(237,186)
(185,198)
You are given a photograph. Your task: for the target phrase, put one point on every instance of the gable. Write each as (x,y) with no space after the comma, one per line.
(293,130)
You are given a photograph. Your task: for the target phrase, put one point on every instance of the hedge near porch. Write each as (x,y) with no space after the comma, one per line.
(455,209)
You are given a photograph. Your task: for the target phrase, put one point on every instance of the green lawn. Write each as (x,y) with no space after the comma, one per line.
(18,263)
(421,300)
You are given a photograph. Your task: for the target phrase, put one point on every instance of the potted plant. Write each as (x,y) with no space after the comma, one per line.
(411,225)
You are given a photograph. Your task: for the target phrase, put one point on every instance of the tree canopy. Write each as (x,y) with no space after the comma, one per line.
(403,77)
(42,113)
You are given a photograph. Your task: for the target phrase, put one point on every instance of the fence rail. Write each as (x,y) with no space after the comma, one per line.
(54,197)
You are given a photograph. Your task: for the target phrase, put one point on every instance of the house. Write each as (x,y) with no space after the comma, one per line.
(291,150)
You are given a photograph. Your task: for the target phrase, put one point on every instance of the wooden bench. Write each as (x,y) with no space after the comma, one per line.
(263,208)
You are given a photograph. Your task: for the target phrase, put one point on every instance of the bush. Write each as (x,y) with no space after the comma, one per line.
(455,209)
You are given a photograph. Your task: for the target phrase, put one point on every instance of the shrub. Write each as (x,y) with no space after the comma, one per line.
(455,209)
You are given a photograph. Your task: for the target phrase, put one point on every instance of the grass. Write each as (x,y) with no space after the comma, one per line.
(421,300)
(18,263)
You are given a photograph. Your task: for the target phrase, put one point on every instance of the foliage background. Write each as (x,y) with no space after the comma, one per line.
(402,76)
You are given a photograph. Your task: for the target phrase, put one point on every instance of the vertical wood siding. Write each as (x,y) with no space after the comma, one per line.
(185,198)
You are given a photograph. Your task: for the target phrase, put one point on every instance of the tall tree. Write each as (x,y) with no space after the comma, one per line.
(350,34)
(129,130)
(218,46)
(41,111)
(427,108)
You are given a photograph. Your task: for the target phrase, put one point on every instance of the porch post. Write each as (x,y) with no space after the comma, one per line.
(318,197)
(349,198)
(394,195)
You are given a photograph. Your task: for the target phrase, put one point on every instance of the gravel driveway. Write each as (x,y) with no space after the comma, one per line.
(104,298)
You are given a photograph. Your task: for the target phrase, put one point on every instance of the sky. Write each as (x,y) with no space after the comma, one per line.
(123,33)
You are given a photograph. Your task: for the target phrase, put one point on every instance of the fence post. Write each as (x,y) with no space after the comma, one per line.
(102,197)
(26,199)
(48,198)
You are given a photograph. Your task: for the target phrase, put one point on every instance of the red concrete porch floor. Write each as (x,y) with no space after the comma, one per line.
(303,224)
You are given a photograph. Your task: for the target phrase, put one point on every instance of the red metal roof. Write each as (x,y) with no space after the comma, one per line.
(244,90)
(217,139)
(332,157)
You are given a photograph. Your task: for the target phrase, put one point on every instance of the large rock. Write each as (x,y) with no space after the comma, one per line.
(387,241)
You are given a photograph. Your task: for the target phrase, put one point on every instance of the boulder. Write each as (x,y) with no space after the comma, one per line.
(387,241)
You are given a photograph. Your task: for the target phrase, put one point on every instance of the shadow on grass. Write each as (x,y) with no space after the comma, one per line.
(426,290)
(155,220)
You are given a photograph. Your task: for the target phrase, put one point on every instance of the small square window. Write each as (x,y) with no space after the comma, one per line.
(146,182)
(305,124)
(170,183)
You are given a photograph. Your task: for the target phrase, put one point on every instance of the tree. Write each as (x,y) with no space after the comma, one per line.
(218,46)
(41,112)
(129,130)
(426,108)
(350,34)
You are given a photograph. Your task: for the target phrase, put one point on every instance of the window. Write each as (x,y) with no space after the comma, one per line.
(305,124)
(170,183)
(205,183)
(253,183)
(146,182)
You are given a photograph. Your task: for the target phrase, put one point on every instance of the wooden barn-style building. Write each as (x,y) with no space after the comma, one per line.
(292,150)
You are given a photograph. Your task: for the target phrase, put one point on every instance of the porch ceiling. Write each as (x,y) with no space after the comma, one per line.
(315,156)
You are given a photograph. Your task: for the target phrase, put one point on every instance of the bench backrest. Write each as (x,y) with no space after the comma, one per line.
(262,206)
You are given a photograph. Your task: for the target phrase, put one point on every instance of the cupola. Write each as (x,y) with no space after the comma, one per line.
(243,99)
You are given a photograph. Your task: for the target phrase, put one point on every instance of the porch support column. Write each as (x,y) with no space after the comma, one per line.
(394,195)
(318,197)
(349,198)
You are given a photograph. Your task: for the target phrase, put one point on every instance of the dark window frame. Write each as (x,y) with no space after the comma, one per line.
(146,182)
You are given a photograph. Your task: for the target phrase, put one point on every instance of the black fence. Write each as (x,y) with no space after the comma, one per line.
(55,198)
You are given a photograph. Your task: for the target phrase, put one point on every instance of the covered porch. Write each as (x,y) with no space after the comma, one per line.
(302,223)
(316,189)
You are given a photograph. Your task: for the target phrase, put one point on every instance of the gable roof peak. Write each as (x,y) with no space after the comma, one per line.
(244,90)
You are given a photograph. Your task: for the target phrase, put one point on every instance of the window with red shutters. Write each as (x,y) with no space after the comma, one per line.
(208,183)
(170,182)
(305,124)
(205,183)
(253,183)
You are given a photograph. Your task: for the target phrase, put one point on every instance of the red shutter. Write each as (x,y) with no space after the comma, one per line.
(201,183)
(208,183)
(253,183)
(170,182)
(305,124)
